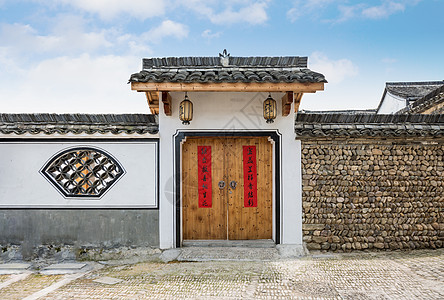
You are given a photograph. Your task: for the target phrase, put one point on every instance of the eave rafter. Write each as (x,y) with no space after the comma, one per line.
(293,91)
(153,101)
(297,101)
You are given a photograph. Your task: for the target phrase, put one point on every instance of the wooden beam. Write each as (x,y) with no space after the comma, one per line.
(166,99)
(153,101)
(287,100)
(297,101)
(296,87)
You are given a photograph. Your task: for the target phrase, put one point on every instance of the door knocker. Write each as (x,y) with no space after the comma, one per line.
(233,184)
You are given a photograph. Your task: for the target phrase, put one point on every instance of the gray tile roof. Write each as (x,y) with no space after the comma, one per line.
(428,101)
(413,91)
(348,111)
(209,62)
(368,125)
(239,69)
(78,123)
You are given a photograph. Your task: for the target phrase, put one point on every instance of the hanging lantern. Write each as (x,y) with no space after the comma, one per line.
(270,109)
(186,111)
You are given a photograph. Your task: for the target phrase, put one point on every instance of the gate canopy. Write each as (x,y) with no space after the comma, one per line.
(288,74)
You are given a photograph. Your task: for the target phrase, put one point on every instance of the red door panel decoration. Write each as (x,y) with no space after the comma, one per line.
(250,176)
(204,176)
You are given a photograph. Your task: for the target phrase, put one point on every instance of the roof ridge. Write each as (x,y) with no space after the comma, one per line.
(202,61)
(416,83)
(47,123)
(77,118)
(337,118)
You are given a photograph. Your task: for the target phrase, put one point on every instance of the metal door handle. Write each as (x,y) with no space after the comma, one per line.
(221,184)
(233,184)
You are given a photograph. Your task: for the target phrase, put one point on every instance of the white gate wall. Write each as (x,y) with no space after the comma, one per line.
(22,185)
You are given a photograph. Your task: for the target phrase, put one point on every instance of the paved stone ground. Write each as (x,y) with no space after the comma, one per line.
(378,275)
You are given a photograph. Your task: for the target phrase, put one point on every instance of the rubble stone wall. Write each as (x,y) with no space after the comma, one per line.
(373,194)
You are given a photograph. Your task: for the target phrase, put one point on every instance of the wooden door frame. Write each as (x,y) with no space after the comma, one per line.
(180,136)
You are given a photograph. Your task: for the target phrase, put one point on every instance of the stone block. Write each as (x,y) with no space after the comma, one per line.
(313,246)
(379,245)
(311,227)
(319,239)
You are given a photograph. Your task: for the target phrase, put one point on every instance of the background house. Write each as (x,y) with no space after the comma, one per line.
(412,98)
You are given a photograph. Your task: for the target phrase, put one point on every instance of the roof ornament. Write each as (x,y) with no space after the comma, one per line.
(224,58)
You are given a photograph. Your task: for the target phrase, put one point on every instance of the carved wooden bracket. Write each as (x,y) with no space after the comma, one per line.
(167,106)
(287,100)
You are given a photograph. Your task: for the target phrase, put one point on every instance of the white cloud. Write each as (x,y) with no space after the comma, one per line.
(72,84)
(167,28)
(301,8)
(384,10)
(335,71)
(254,14)
(72,35)
(389,60)
(231,11)
(209,35)
(346,11)
(71,68)
(67,37)
(109,9)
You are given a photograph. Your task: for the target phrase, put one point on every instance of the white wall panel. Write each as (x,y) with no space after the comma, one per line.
(391,104)
(23,186)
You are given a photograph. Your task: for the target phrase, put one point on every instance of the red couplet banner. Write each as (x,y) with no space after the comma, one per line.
(204,176)
(250,176)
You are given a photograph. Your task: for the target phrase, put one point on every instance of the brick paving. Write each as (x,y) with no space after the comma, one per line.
(4,278)
(378,275)
(28,286)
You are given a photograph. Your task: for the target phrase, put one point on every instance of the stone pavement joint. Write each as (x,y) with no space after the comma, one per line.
(108,280)
(14,278)
(66,279)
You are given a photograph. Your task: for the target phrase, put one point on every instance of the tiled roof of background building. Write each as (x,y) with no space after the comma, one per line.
(78,123)
(413,91)
(426,102)
(238,69)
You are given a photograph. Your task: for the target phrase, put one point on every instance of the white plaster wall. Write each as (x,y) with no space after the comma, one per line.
(391,104)
(231,112)
(22,185)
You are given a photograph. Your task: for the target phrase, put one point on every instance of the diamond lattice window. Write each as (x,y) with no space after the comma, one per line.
(83,172)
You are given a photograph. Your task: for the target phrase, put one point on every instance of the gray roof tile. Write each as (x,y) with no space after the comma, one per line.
(368,125)
(435,97)
(78,123)
(240,69)
(413,90)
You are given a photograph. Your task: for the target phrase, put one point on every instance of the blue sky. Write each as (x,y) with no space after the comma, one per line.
(77,55)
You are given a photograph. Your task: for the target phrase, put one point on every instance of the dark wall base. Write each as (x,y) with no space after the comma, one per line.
(28,230)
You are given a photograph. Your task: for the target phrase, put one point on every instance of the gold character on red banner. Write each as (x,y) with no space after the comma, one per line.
(250,176)
(204,176)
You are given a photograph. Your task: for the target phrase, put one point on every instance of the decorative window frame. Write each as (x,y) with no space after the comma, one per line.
(62,191)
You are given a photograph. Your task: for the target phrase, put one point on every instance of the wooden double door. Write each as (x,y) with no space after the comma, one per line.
(227,188)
